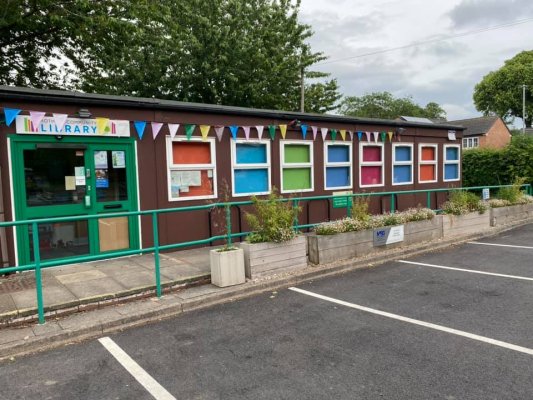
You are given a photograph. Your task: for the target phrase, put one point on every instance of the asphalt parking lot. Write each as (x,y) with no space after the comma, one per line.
(454,324)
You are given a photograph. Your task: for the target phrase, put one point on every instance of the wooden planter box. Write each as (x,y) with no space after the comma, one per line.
(227,267)
(423,231)
(511,214)
(270,258)
(464,225)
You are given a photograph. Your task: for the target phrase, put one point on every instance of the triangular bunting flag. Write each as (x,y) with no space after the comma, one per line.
(383,136)
(359,135)
(173,129)
(375,134)
(234,129)
(283,129)
(102,125)
(304,130)
(260,129)
(219,130)
(10,114)
(272,131)
(324,132)
(156,127)
(343,134)
(204,130)
(333,134)
(246,130)
(60,120)
(351,135)
(315,131)
(367,136)
(189,130)
(390,135)
(139,127)
(36,117)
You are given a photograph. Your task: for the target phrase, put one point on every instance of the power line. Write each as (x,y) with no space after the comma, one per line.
(492,28)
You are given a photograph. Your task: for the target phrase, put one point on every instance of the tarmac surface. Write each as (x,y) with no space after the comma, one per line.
(451,324)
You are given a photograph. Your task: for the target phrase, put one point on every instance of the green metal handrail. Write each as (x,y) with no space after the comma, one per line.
(38,264)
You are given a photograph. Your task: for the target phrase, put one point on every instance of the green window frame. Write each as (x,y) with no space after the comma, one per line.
(296,166)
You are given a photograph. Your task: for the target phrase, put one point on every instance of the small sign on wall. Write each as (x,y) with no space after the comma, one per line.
(341,202)
(388,235)
(486,194)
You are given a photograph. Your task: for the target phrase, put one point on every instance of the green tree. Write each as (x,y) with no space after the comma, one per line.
(500,92)
(384,105)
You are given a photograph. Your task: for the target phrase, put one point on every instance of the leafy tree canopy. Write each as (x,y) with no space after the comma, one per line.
(385,106)
(233,52)
(500,92)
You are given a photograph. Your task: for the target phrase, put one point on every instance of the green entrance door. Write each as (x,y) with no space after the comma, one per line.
(74,176)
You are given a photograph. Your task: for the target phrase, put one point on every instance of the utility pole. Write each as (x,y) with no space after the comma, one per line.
(302,91)
(524,108)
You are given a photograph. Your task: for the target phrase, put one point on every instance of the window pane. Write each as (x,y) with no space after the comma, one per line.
(371,175)
(296,178)
(61,239)
(251,180)
(191,153)
(337,177)
(402,174)
(191,183)
(403,153)
(297,153)
(111,182)
(251,153)
(427,173)
(428,154)
(452,154)
(338,153)
(372,153)
(451,171)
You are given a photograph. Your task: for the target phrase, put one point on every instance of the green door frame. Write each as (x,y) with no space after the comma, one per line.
(21,142)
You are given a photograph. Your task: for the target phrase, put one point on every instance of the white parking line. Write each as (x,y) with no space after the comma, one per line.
(472,271)
(502,245)
(157,391)
(441,328)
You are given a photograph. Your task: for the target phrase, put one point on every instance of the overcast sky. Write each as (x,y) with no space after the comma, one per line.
(444,72)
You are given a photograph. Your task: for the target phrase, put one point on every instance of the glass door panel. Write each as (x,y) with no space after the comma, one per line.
(60,240)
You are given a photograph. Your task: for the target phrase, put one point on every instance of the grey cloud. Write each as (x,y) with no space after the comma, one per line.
(476,13)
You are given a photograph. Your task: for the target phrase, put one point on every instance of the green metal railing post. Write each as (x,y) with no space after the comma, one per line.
(428,199)
(228,225)
(295,220)
(392,203)
(38,276)
(156,254)
(349,206)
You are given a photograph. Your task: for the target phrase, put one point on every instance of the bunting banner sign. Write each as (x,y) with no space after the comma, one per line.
(367,136)
(390,135)
(10,114)
(173,129)
(156,127)
(219,130)
(383,136)
(233,129)
(360,135)
(375,134)
(333,134)
(246,130)
(60,120)
(315,131)
(260,129)
(304,130)
(272,131)
(324,132)
(343,134)
(139,127)
(351,135)
(283,130)
(101,125)
(204,130)
(36,117)
(189,130)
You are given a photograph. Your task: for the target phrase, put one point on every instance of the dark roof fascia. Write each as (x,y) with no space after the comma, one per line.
(85,99)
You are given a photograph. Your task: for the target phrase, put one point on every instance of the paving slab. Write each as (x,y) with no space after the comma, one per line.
(83,276)
(6,303)
(95,287)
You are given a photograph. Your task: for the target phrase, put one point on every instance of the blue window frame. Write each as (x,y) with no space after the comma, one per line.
(402,164)
(250,167)
(337,165)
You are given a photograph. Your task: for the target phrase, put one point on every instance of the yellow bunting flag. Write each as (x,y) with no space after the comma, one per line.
(204,129)
(390,135)
(283,129)
(343,134)
(102,126)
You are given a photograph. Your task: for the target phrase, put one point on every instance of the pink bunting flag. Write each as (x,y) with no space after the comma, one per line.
(246,130)
(60,120)
(315,131)
(36,117)
(219,130)
(376,134)
(351,135)
(367,136)
(260,129)
(324,132)
(204,130)
(156,127)
(173,129)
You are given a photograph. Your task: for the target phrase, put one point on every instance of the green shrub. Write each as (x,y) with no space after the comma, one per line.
(463,202)
(512,194)
(272,220)
(360,208)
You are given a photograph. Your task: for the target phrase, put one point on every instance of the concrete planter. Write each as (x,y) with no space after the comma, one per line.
(423,231)
(464,225)
(270,258)
(227,267)
(511,214)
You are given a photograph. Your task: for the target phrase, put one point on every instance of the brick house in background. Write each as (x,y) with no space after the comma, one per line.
(485,132)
